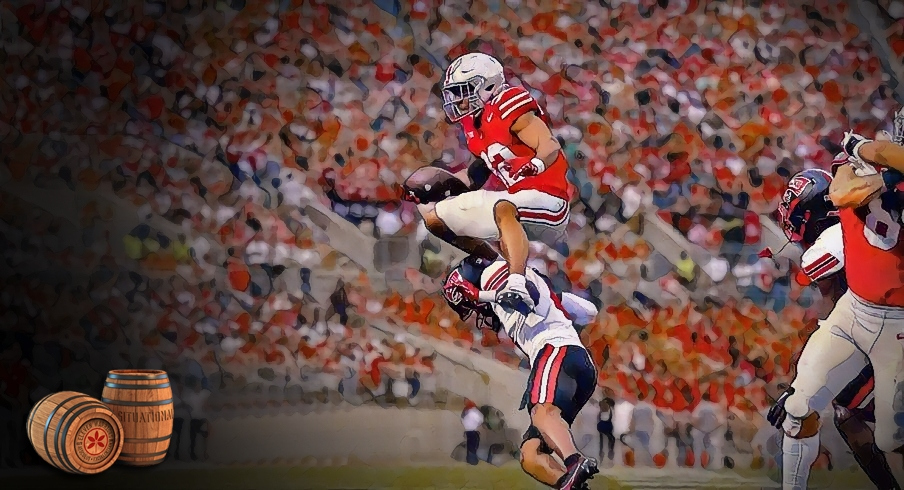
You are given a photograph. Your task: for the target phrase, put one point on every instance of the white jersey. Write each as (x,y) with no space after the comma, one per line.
(826,256)
(548,324)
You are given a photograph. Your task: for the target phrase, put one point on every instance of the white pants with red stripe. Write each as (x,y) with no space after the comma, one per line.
(471,214)
(856,332)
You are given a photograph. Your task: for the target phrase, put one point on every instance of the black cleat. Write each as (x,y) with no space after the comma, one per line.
(579,473)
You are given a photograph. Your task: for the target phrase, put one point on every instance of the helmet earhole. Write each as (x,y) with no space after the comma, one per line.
(490,88)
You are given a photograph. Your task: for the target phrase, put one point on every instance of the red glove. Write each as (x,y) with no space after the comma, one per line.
(525,167)
(458,288)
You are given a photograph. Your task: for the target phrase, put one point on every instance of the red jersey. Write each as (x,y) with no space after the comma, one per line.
(874,251)
(489,136)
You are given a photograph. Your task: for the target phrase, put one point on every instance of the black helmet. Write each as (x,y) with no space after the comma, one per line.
(469,269)
(805,210)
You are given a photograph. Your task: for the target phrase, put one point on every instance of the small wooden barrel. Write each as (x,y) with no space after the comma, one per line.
(75,433)
(143,401)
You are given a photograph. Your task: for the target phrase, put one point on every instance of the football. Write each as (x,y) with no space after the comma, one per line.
(432,184)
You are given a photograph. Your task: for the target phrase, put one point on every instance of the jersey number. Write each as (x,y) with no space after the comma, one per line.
(881,228)
(495,156)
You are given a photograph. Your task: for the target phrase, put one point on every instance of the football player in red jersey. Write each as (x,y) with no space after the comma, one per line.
(509,132)
(867,323)
(810,219)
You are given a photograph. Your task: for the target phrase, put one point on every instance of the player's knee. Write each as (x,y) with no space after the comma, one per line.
(802,428)
(435,225)
(797,406)
(503,211)
(431,220)
(546,411)
(530,449)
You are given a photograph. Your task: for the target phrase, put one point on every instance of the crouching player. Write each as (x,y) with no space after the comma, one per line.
(562,378)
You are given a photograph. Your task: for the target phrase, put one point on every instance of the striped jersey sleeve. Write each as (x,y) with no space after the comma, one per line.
(494,276)
(514,102)
(826,256)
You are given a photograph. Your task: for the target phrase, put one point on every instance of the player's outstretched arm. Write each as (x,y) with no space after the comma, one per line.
(534,132)
(848,190)
(885,153)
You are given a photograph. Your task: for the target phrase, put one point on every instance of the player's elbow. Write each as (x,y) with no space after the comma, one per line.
(853,197)
(549,147)
(840,198)
(884,153)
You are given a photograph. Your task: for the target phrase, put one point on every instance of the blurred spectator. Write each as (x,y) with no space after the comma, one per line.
(642,430)
(181,414)
(199,428)
(605,428)
(472,419)
(709,420)
(622,421)
(338,304)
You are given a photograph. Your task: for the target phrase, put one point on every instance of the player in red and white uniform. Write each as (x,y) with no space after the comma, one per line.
(867,323)
(562,378)
(810,219)
(507,129)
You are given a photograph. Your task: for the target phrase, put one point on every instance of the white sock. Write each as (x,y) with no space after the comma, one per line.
(798,455)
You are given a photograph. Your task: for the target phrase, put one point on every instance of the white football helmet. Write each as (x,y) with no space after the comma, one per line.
(898,135)
(473,78)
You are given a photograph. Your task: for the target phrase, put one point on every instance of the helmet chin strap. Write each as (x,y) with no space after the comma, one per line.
(787,242)
(768,253)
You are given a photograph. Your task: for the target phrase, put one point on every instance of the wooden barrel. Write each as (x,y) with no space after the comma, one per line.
(143,401)
(75,433)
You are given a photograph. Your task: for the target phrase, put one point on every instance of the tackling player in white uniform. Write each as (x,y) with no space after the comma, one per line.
(562,378)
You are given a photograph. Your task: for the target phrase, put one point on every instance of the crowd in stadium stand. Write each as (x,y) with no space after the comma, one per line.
(226,121)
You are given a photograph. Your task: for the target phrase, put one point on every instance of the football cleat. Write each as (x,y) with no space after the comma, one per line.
(431,184)
(578,473)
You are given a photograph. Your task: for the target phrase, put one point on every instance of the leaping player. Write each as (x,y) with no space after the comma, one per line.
(809,218)
(562,378)
(867,324)
(508,130)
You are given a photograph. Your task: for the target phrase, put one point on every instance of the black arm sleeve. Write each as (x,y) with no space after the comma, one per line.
(479,174)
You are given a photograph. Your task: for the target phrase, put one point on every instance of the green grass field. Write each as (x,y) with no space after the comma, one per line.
(484,477)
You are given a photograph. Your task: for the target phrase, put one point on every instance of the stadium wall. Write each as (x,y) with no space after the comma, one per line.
(468,374)
(340,435)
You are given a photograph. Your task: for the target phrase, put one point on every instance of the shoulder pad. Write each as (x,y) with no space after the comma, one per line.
(512,103)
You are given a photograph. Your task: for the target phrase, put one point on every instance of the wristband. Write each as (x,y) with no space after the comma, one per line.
(861,168)
(486,296)
(852,147)
(539,163)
